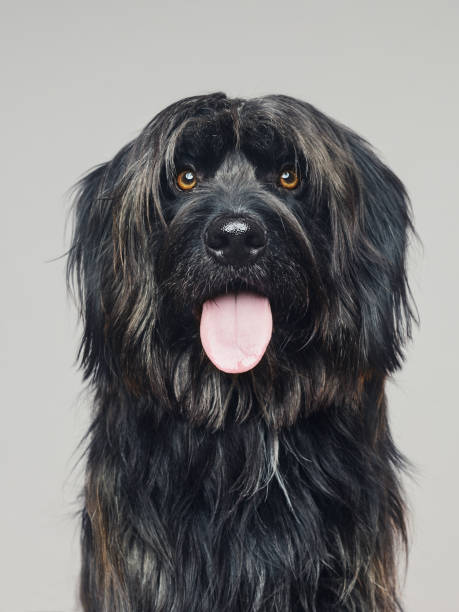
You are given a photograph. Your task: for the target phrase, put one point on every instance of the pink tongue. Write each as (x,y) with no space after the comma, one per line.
(235,330)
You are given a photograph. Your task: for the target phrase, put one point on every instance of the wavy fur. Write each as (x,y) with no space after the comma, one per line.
(276,489)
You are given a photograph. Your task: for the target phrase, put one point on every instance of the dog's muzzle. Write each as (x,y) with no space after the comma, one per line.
(235,327)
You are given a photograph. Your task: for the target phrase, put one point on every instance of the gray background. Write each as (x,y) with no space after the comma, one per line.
(81,78)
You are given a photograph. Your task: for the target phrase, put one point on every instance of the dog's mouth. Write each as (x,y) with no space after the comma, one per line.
(235,329)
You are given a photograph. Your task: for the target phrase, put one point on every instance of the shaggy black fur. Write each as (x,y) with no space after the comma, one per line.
(272,490)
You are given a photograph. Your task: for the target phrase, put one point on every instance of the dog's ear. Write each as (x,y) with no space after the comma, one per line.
(91,265)
(90,256)
(378,267)
(111,260)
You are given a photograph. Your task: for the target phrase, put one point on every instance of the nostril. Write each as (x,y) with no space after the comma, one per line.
(256,239)
(215,239)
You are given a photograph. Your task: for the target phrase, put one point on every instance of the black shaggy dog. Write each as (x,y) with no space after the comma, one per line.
(241,271)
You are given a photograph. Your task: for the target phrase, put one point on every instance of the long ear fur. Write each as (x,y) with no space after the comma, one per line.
(379,266)
(90,257)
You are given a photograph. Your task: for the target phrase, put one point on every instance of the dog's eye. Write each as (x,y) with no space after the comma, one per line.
(289,179)
(187,179)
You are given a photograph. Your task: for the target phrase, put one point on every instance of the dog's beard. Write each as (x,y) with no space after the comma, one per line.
(199,370)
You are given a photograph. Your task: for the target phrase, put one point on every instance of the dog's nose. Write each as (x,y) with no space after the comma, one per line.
(236,240)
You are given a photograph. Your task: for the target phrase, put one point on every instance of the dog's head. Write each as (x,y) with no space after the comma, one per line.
(240,255)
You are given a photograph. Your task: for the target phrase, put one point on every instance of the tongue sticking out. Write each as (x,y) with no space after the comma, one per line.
(235,330)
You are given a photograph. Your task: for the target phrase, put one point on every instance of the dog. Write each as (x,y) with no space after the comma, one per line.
(241,271)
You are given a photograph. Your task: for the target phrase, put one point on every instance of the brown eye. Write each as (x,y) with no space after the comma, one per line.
(289,179)
(186,179)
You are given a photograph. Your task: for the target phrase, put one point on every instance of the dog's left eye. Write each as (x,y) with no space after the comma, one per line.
(289,179)
(186,179)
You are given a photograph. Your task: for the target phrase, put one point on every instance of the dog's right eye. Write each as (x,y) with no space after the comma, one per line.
(186,179)
(289,179)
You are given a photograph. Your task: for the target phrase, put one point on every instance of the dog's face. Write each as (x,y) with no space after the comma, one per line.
(257,238)
(235,205)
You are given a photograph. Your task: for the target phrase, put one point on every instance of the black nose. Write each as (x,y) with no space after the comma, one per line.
(235,240)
